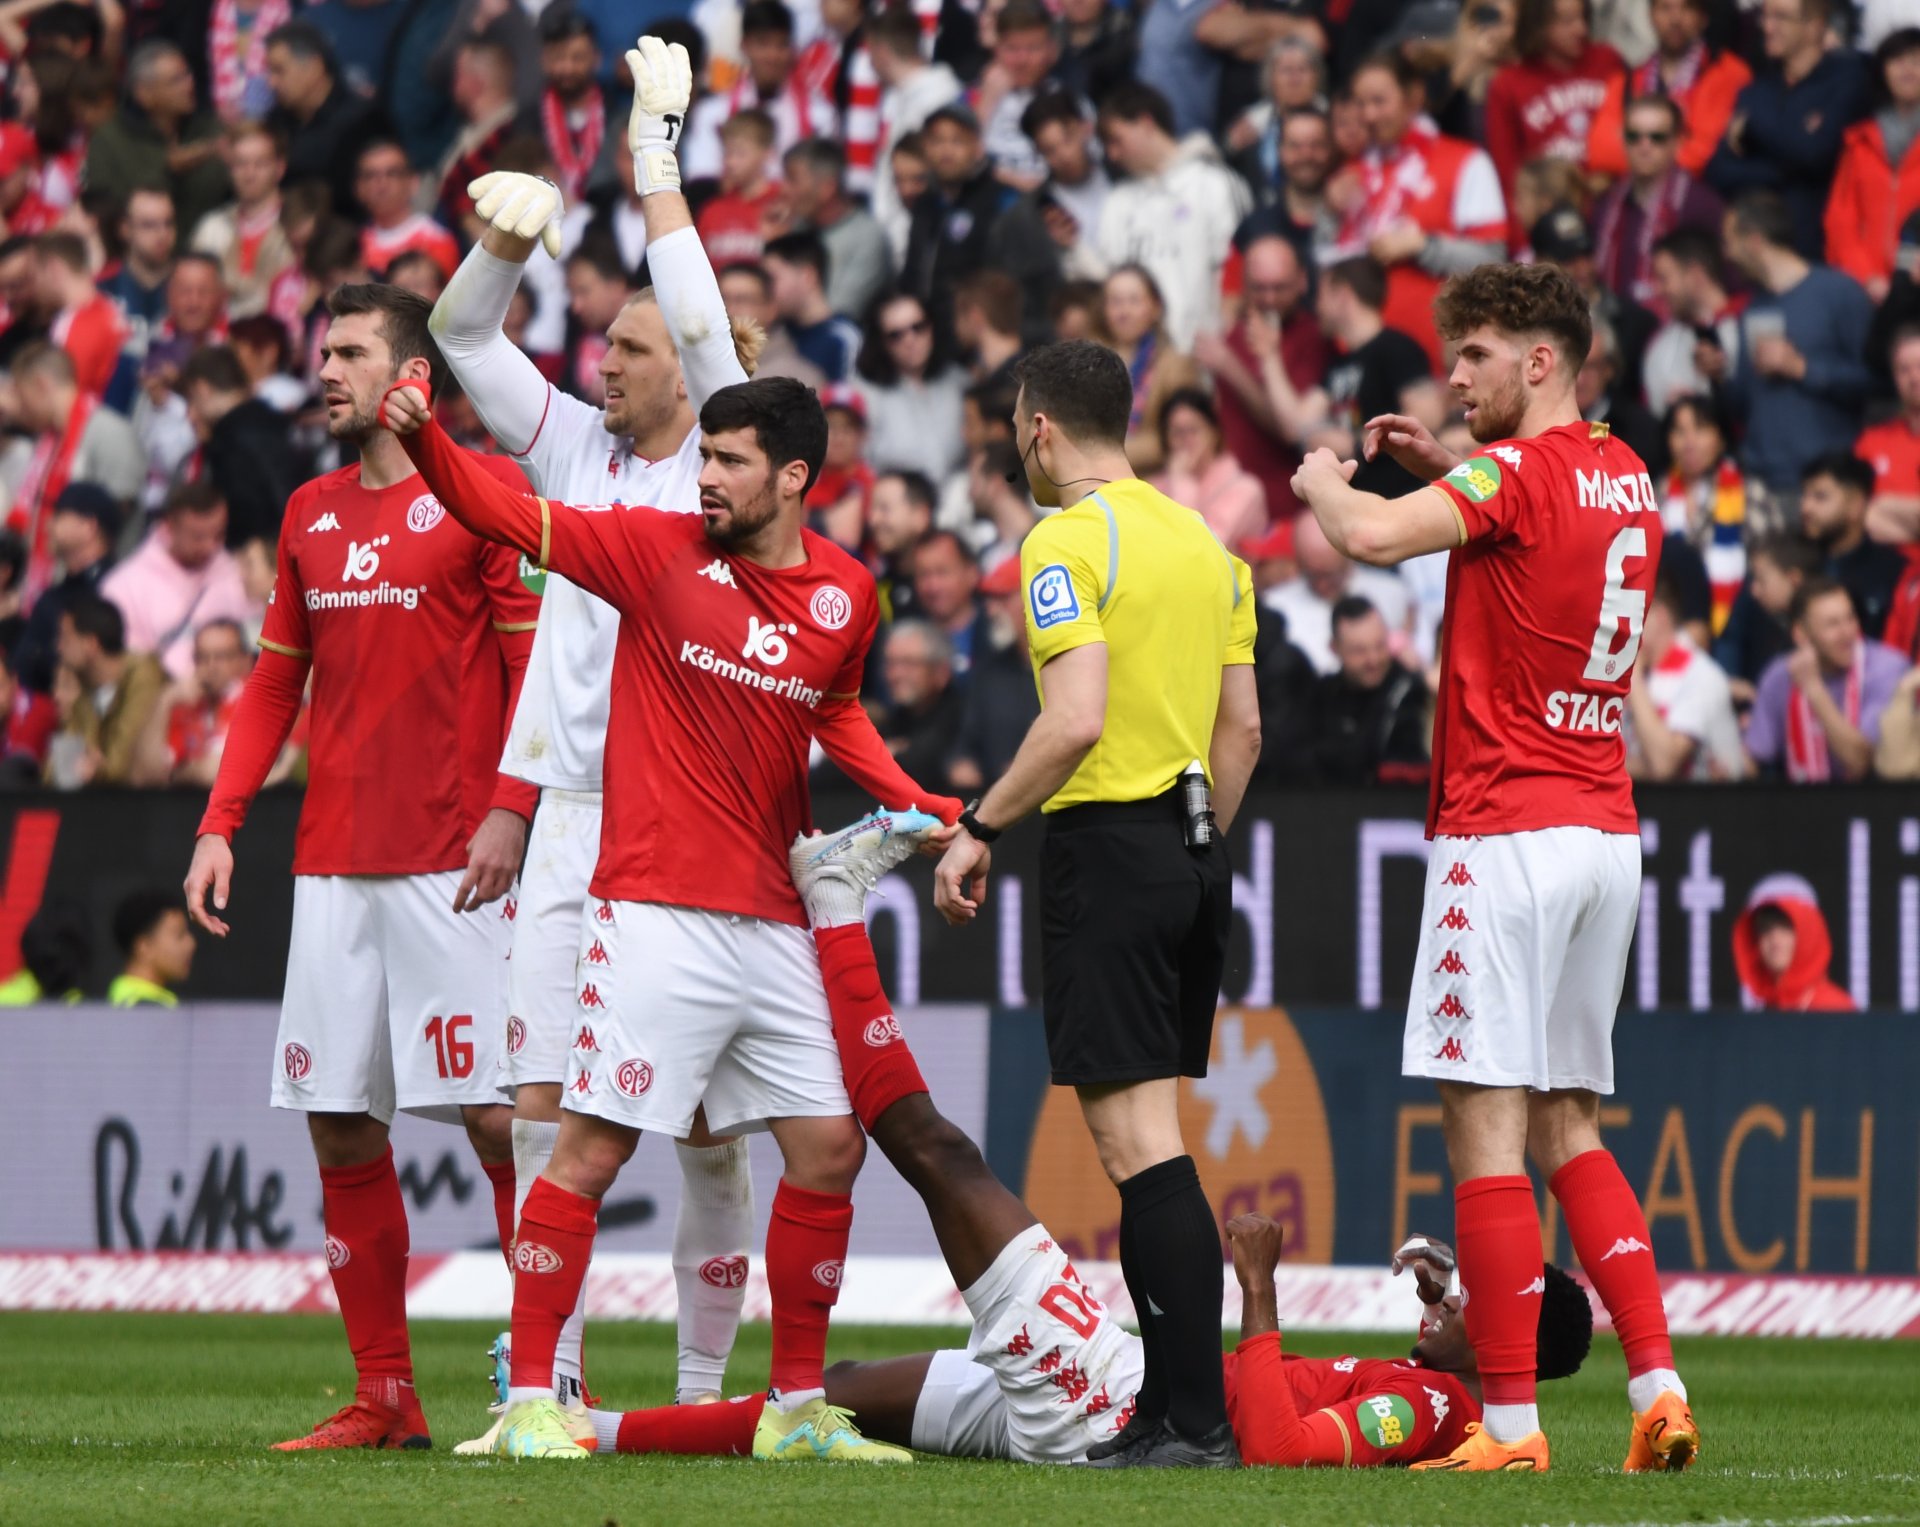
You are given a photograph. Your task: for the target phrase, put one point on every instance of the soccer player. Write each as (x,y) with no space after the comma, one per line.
(742,637)
(416,633)
(1049,1372)
(668,351)
(1533,882)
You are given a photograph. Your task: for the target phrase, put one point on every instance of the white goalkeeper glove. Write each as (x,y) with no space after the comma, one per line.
(523,205)
(662,90)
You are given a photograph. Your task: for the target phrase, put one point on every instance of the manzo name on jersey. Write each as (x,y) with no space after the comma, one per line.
(1632,494)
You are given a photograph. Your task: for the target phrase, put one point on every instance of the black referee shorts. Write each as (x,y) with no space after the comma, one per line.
(1133,941)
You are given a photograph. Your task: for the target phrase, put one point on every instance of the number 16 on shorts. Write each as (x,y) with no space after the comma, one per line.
(452,1054)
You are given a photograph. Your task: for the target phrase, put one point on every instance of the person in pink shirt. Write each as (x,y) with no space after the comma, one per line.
(181,577)
(1200,474)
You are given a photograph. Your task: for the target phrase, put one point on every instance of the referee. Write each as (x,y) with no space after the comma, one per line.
(1141,627)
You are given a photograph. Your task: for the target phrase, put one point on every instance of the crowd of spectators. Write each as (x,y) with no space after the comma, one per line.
(1252,202)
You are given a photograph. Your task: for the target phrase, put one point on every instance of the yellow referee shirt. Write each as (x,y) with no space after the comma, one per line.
(1129,567)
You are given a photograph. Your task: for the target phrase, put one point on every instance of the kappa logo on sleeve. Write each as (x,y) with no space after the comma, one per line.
(1051,597)
(1478,478)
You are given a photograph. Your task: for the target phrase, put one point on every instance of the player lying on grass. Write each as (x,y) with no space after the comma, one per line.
(1048,1371)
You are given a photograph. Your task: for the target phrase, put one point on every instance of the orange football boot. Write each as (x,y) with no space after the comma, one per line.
(368,1423)
(1665,1437)
(1481,1453)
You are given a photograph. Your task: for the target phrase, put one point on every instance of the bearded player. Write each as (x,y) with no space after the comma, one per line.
(560,728)
(742,637)
(416,633)
(642,448)
(1533,882)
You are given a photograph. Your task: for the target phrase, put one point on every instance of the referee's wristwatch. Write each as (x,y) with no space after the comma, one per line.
(977,829)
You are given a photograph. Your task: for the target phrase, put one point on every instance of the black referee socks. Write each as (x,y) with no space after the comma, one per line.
(1170,1257)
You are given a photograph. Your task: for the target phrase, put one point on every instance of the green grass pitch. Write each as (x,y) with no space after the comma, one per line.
(165,1419)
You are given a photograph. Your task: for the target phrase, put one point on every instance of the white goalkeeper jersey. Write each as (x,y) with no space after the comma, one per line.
(558,737)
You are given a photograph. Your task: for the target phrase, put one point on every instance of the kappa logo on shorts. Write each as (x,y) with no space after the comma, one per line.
(1051,597)
(603,913)
(1072,1382)
(1454,920)
(298,1061)
(532,1257)
(337,1253)
(516,1036)
(509,909)
(597,955)
(585,1041)
(883,1031)
(724,1272)
(1450,1050)
(1458,875)
(1451,965)
(1122,1417)
(590,996)
(1452,1007)
(633,1078)
(1021,1345)
(582,1084)
(829,1273)
(1098,1403)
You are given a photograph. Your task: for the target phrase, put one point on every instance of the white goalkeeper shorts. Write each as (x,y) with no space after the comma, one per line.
(677,1006)
(563,846)
(1047,1373)
(393,999)
(1523,953)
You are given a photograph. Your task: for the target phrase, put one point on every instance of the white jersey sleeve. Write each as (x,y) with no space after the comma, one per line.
(696,317)
(536,423)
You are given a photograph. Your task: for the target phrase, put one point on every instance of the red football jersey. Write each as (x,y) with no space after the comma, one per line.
(716,673)
(1545,603)
(1383,1412)
(404,613)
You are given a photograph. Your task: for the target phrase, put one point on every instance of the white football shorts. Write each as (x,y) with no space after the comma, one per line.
(393,999)
(542,983)
(1523,953)
(677,1006)
(1048,1371)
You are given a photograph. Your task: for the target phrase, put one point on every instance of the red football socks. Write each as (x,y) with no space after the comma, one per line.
(879,1068)
(1497,1235)
(806,1254)
(500,1174)
(1610,1237)
(367,1245)
(550,1257)
(711,1430)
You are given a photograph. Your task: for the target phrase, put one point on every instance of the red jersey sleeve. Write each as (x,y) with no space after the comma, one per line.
(285,629)
(269,706)
(515,610)
(1267,1423)
(1488,491)
(1396,1423)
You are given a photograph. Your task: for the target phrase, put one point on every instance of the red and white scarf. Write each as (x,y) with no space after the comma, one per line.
(574,155)
(745,93)
(1385,180)
(1807,759)
(232,70)
(47,473)
(1656,222)
(1648,80)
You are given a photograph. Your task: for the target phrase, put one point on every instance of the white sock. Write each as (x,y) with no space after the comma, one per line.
(533,1143)
(1510,1423)
(606,1429)
(1644,1388)
(715,1221)
(785,1400)
(519,1393)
